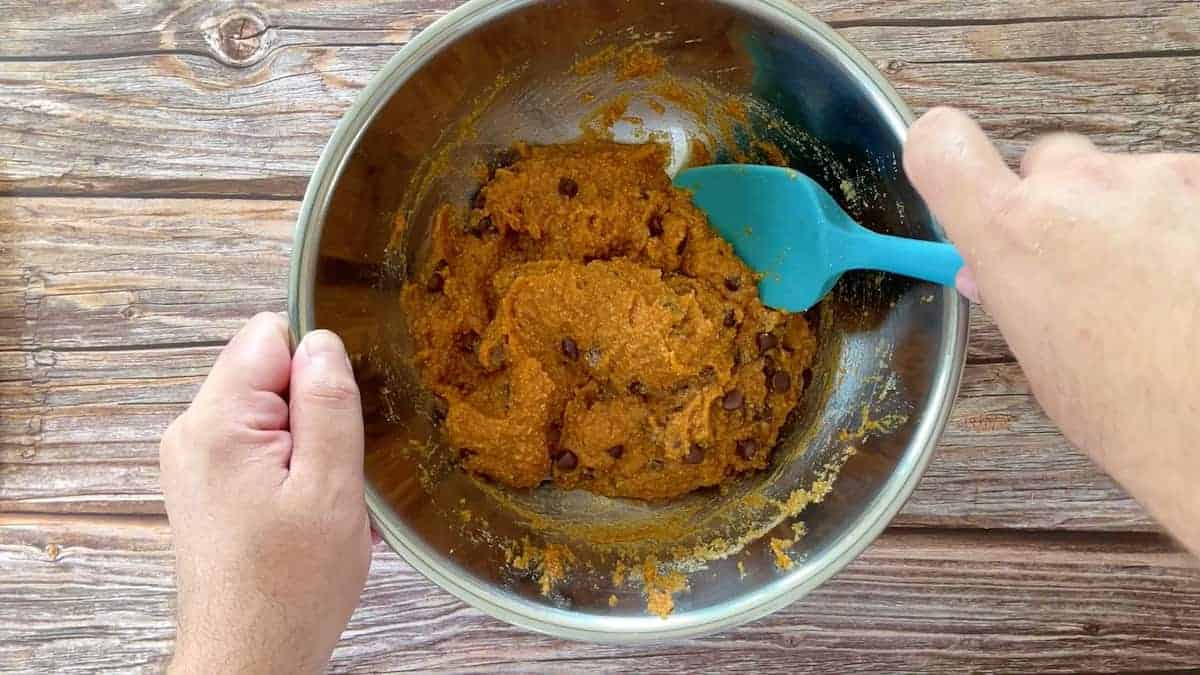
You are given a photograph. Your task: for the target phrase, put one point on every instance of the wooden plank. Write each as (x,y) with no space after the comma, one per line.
(1003,464)
(940,12)
(91,110)
(91,371)
(82,274)
(987,343)
(1092,39)
(98,29)
(914,600)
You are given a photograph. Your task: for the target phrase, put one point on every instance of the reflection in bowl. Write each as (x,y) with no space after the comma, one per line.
(740,80)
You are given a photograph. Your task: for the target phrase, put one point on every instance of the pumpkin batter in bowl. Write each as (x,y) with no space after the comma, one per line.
(582,323)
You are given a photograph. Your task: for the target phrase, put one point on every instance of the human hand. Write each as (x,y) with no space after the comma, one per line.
(1090,264)
(263,482)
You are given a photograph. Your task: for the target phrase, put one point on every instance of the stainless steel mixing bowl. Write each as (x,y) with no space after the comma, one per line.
(492,73)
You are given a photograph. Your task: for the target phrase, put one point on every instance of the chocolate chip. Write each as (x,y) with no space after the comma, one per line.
(568,188)
(747,448)
(441,407)
(436,283)
(616,451)
(467,341)
(733,400)
(733,283)
(780,382)
(766,342)
(496,356)
(682,245)
(730,318)
(479,200)
(695,455)
(567,461)
(506,158)
(570,349)
(656,225)
(482,226)
(637,388)
(808,377)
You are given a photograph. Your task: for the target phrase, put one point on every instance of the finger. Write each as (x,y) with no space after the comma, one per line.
(959,173)
(239,417)
(326,415)
(967,286)
(257,359)
(1054,149)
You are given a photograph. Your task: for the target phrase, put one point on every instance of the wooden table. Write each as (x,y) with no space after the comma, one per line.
(152,159)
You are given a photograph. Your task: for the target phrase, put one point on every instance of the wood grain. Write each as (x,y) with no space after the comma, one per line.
(915,600)
(96,29)
(112,310)
(156,101)
(131,273)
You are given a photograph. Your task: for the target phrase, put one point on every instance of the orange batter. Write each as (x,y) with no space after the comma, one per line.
(582,323)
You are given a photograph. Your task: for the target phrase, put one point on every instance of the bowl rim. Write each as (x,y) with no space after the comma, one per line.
(629,630)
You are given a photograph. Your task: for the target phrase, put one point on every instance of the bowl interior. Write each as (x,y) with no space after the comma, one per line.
(497,73)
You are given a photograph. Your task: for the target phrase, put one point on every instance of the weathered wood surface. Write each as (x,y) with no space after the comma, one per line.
(200,98)
(111,311)
(95,594)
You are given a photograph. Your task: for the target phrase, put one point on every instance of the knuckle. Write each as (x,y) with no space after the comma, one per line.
(1061,141)
(270,319)
(332,392)
(175,435)
(1184,169)
(1061,152)
(260,410)
(271,442)
(1091,167)
(168,445)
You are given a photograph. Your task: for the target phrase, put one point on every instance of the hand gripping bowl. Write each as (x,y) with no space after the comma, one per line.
(570,563)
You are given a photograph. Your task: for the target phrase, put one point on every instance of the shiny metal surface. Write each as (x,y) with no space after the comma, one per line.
(888,346)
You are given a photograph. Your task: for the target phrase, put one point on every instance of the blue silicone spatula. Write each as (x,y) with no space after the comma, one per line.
(789,229)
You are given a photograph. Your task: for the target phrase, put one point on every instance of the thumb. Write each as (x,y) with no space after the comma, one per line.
(962,178)
(326,415)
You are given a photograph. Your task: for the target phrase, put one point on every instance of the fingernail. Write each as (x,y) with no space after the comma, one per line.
(321,344)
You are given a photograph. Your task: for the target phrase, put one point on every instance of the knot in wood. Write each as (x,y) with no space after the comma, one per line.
(239,38)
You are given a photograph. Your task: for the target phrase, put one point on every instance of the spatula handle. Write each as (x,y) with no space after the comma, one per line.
(926,260)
